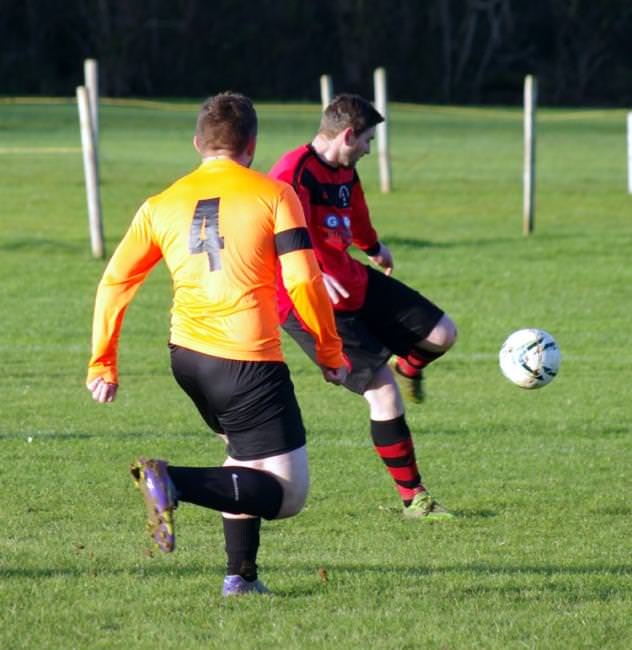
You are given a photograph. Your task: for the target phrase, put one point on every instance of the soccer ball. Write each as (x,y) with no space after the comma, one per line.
(530,358)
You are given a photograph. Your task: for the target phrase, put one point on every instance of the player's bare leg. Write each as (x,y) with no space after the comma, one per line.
(384,397)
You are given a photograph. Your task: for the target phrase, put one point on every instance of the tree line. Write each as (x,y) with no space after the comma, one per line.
(435,51)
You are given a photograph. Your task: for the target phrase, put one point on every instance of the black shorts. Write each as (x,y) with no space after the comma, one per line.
(251,402)
(392,320)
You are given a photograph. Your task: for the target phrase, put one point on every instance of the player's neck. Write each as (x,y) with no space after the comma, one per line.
(244,159)
(326,150)
(219,157)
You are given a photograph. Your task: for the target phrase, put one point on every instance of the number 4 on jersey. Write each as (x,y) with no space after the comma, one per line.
(204,236)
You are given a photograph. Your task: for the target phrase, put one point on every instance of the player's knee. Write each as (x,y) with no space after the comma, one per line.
(290,471)
(294,497)
(444,334)
(451,334)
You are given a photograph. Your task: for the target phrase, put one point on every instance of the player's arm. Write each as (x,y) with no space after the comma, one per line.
(303,280)
(133,259)
(364,234)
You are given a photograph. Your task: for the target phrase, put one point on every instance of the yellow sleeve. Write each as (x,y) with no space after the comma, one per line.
(303,280)
(130,264)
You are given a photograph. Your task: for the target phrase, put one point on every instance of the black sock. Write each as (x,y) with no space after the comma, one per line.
(238,490)
(242,544)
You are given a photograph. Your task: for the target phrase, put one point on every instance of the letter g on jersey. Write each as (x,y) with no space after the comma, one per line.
(332,221)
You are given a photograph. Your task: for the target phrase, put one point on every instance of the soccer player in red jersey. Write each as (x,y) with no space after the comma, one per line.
(222,231)
(376,315)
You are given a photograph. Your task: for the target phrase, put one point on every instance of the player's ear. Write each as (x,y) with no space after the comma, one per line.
(196,145)
(248,154)
(348,136)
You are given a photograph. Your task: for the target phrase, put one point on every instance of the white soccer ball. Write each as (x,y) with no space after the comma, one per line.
(530,358)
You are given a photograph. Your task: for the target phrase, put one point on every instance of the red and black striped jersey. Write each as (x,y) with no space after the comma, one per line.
(337,216)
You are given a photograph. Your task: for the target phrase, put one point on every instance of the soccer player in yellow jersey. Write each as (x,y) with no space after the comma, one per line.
(222,230)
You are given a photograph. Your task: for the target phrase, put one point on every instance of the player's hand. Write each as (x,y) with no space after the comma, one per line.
(334,289)
(383,259)
(335,375)
(102,391)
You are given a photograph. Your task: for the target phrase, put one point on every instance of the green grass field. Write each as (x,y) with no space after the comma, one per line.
(541,553)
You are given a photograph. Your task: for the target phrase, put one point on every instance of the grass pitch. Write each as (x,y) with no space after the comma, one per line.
(540,555)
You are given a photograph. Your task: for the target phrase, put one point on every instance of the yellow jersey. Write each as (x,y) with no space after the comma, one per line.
(221,230)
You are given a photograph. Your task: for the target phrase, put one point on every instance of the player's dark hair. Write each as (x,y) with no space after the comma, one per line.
(226,121)
(346,111)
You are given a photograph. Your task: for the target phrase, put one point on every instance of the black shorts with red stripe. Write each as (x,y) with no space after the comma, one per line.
(251,402)
(392,320)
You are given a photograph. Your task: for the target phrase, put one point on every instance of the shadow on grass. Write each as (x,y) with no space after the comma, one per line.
(411,242)
(336,579)
(480,570)
(143,571)
(460,515)
(160,570)
(488,569)
(476,514)
(43,246)
(45,436)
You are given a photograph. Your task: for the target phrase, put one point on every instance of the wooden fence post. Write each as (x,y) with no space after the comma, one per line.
(91,174)
(91,82)
(381,131)
(530,103)
(326,90)
(630,153)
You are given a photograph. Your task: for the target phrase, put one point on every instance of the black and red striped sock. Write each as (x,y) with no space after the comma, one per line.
(394,445)
(412,365)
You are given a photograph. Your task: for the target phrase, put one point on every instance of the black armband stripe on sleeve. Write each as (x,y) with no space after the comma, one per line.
(294,239)
(373,250)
